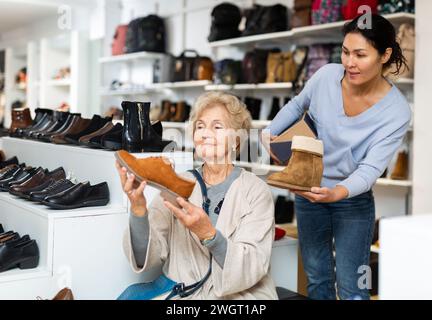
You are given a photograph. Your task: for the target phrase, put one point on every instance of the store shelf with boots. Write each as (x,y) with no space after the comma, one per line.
(75,245)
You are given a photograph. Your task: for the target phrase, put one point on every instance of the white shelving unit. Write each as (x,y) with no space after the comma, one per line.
(317,33)
(43,58)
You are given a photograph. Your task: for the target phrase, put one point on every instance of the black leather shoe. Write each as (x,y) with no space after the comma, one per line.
(97,142)
(13,160)
(17,240)
(30,173)
(17,175)
(24,255)
(1,229)
(41,114)
(80,195)
(59,118)
(96,123)
(56,187)
(47,136)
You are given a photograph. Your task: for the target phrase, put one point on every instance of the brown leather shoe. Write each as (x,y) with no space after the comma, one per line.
(41,177)
(76,126)
(107,127)
(20,119)
(158,173)
(305,167)
(64,294)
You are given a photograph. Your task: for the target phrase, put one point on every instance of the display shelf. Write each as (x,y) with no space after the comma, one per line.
(132,56)
(395,183)
(26,274)
(123,92)
(174,125)
(322,32)
(249,86)
(59,82)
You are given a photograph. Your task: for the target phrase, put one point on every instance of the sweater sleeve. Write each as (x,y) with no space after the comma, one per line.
(139,232)
(374,164)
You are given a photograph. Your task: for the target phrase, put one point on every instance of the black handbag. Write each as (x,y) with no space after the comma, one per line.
(266,19)
(146,34)
(225,20)
(227,71)
(254,65)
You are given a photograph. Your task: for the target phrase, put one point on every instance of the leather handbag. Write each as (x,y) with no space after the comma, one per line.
(266,19)
(227,71)
(146,34)
(254,65)
(281,67)
(301,16)
(119,41)
(191,66)
(225,19)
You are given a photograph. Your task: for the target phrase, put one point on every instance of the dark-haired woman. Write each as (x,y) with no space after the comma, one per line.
(362,118)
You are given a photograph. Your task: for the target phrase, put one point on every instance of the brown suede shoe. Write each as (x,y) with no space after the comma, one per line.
(305,167)
(158,173)
(64,294)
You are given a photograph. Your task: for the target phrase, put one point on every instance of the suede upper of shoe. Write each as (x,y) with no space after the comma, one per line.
(158,170)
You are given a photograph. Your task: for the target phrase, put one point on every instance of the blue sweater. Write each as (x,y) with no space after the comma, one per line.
(357,149)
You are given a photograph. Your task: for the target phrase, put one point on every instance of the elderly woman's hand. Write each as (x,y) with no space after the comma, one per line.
(194,218)
(134,191)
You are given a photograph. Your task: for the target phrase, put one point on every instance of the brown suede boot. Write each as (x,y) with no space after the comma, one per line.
(400,171)
(158,173)
(165,112)
(305,167)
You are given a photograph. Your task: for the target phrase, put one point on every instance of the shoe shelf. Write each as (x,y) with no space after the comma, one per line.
(248,86)
(76,245)
(132,56)
(59,82)
(323,32)
(256,124)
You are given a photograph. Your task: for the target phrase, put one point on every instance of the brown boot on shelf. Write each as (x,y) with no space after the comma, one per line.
(180,112)
(2,156)
(64,294)
(165,112)
(305,167)
(20,119)
(400,171)
(159,173)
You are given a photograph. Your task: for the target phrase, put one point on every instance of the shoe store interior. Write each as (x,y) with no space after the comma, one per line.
(188,149)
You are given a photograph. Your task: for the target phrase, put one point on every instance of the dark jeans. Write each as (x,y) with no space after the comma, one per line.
(350,224)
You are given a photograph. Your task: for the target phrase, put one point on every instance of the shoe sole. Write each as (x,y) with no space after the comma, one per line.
(165,193)
(284,185)
(92,203)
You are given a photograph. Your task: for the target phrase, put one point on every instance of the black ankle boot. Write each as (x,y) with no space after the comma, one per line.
(138,133)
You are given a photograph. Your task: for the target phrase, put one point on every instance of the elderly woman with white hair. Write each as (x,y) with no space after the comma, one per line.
(223,253)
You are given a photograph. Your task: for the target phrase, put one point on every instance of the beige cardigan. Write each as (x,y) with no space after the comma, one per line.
(246,220)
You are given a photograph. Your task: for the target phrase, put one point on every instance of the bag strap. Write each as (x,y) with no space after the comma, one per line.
(181,289)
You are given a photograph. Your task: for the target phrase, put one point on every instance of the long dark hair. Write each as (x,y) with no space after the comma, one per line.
(381,36)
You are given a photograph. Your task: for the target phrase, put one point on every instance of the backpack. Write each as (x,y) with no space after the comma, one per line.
(225,20)
(146,34)
(266,19)
(119,40)
(350,7)
(326,11)
(227,71)
(254,65)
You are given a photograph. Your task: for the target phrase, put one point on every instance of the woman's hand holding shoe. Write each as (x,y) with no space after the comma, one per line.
(134,191)
(324,195)
(194,218)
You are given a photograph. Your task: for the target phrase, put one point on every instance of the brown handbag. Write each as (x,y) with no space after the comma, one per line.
(203,69)
(281,67)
